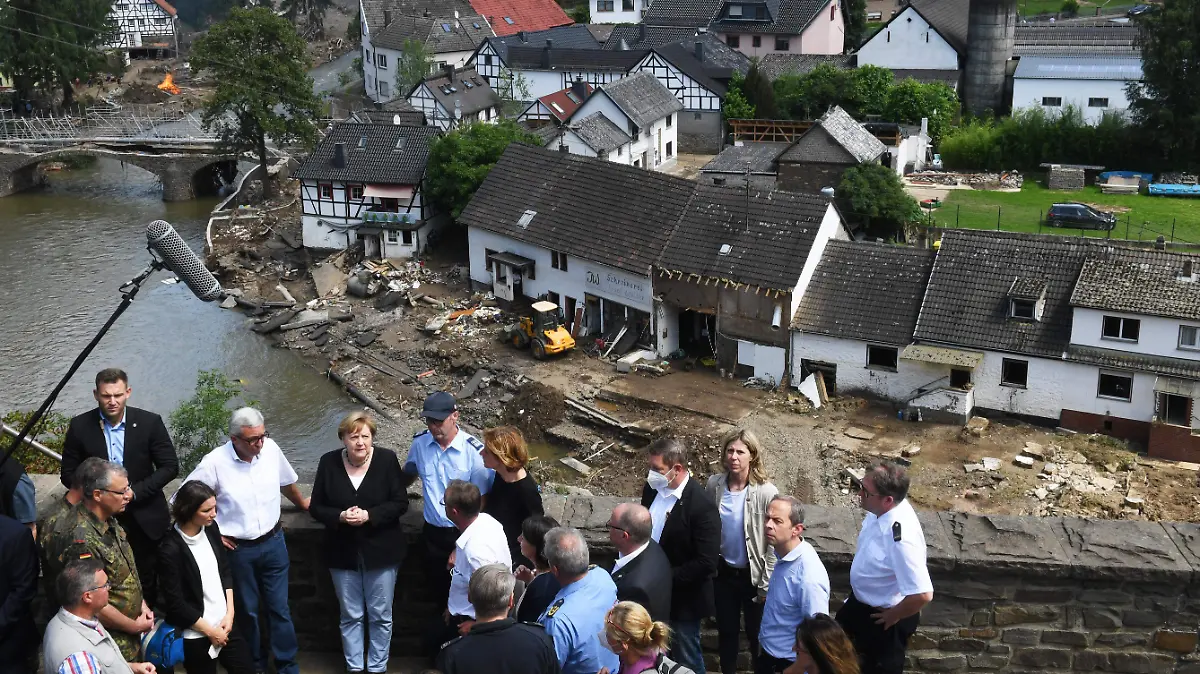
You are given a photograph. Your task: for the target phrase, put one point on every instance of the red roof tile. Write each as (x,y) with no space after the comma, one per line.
(526,15)
(166,6)
(561,104)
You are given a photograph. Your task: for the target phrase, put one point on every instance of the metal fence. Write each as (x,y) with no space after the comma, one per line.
(1032,220)
(125,122)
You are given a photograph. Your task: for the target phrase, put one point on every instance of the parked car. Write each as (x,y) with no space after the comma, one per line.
(1140,10)
(1079,216)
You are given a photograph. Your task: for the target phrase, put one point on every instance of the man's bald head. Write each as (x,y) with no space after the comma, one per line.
(635,519)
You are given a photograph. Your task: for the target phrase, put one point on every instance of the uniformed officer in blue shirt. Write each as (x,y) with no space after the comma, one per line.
(575,619)
(438,455)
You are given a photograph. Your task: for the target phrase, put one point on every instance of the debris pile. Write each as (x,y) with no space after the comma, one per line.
(1005,180)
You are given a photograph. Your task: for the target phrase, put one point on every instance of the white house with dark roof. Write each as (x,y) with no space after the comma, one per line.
(595,136)
(641,107)
(491,59)
(833,144)
(924,35)
(618,11)
(454,97)
(547,68)
(145,27)
(760,27)
(1092,84)
(364,182)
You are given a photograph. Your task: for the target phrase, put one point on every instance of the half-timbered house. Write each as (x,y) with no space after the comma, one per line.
(640,106)
(364,183)
(556,108)
(455,97)
(547,68)
(147,28)
(697,74)
(490,60)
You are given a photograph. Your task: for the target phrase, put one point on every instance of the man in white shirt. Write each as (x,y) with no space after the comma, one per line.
(889,580)
(249,473)
(642,572)
(481,542)
(799,585)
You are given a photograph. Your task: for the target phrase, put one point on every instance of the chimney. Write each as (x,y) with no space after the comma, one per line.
(448,73)
(641,34)
(387,18)
(1160,243)
(564,148)
(339,155)
(546,54)
(580,89)
(700,52)
(1188,268)
(924,126)
(521,36)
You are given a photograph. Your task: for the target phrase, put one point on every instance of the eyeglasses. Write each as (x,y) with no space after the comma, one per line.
(123,492)
(860,488)
(105,586)
(613,526)
(258,439)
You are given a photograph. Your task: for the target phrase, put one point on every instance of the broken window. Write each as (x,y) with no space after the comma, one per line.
(1173,409)
(1116,385)
(1126,329)
(882,357)
(1014,373)
(960,378)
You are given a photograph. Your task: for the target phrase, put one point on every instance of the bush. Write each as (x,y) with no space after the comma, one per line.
(50,431)
(874,195)
(202,422)
(1070,7)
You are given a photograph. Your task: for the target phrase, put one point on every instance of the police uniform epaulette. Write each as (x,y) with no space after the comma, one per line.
(420,433)
(554,608)
(531,624)
(457,638)
(474,442)
(896,531)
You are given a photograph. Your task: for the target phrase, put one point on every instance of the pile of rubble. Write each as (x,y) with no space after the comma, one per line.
(1005,180)
(1178,178)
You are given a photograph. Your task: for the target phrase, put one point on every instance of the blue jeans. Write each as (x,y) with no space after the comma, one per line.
(366,593)
(685,645)
(260,582)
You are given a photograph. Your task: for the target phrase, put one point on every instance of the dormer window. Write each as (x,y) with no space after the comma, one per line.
(1022,309)
(735,11)
(1027,298)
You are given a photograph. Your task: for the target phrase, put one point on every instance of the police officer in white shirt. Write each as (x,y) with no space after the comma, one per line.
(889,579)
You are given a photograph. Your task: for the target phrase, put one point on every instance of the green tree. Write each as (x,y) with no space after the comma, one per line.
(736,106)
(822,88)
(513,90)
(460,160)
(354,30)
(202,421)
(1070,7)
(759,92)
(49,44)
(50,431)
(581,13)
(856,24)
(910,101)
(414,65)
(1166,103)
(262,86)
(874,194)
(867,90)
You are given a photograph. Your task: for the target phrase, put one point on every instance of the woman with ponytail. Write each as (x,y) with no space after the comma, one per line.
(823,648)
(638,641)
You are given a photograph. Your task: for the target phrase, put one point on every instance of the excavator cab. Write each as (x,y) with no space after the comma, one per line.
(543,332)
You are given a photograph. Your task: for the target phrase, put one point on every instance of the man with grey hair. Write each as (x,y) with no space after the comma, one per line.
(799,585)
(642,571)
(575,619)
(496,643)
(76,633)
(249,473)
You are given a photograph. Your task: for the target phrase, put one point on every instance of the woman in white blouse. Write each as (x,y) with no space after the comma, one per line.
(742,494)
(195,587)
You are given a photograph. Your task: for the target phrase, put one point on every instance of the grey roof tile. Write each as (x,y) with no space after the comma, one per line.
(641,36)
(533,58)
(1139,281)
(642,98)
(711,63)
(866,291)
(787,17)
(689,13)
(1090,67)
(378,10)
(377,161)
(576,36)
(1123,360)
(776,65)
(599,133)
(758,157)
(479,96)
(948,18)
(1076,40)
(836,138)
(817,146)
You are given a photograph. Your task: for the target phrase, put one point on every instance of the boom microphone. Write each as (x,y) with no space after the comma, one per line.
(176,256)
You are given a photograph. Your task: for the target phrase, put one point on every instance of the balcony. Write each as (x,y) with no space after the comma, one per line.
(387,217)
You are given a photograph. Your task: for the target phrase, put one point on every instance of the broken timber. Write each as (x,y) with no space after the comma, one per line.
(275,322)
(362,397)
(597,416)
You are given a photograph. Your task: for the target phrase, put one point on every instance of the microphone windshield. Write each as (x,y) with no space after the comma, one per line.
(179,258)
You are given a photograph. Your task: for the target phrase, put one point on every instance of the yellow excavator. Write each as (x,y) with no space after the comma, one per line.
(543,332)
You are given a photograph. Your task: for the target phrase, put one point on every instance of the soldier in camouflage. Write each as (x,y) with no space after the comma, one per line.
(90,531)
(48,527)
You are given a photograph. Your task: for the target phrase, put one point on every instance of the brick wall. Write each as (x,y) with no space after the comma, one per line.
(1173,442)
(1117,427)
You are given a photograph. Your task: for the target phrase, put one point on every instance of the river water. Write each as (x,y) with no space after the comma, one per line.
(64,252)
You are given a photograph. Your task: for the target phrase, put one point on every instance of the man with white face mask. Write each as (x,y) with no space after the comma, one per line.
(688,529)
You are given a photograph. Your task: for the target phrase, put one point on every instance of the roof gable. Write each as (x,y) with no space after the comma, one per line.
(562,104)
(642,98)
(836,138)
(786,17)
(510,16)
(947,17)
(386,154)
(817,146)
(471,92)
(699,60)
(566,37)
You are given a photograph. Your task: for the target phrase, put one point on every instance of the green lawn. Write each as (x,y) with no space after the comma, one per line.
(1143,217)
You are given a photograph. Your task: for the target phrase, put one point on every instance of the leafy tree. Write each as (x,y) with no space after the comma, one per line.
(202,421)
(513,90)
(460,160)
(354,30)
(868,88)
(874,193)
(50,431)
(581,13)
(262,86)
(1166,103)
(413,66)
(201,13)
(1070,7)
(910,100)
(759,92)
(856,24)
(49,44)
(736,106)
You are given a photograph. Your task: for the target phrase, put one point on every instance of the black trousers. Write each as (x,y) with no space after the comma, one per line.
(764,664)
(145,557)
(438,543)
(880,651)
(234,656)
(736,598)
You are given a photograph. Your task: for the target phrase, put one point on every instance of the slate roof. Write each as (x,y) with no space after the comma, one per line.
(641,36)
(431,31)
(567,192)
(396,9)
(546,133)
(967,302)
(836,138)
(689,13)
(379,163)
(948,18)
(642,98)
(479,96)
(769,232)
(567,37)
(591,60)
(866,291)
(524,14)
(599,133)
(407,117)
(1111,68)
(759,157)
(716,63)
(776,65)
(788,17)
(1139,281)
(1124,360)
(1061,39)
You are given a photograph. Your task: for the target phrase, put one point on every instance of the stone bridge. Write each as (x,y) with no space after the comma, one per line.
(185,171)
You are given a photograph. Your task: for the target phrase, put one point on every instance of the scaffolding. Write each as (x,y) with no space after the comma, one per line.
(125,123)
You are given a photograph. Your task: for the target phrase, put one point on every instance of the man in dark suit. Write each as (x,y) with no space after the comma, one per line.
(642,571)
(688,528)
(18,585)
(137,440)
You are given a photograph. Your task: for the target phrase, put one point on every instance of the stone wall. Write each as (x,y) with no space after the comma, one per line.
(1067,179)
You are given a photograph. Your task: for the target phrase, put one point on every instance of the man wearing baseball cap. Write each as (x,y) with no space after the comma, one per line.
(442,453)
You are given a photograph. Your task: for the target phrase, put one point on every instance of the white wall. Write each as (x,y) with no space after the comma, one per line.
(850,356)
(323,219)
(1029,93)
(1043,394)
(831,228)
(666,327)
(539,83)
(1158,336)
(1080,388)
(767,361)
(905,44)
(618,13)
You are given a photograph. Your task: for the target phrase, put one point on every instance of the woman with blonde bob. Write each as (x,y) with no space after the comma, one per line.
(742,494)
(639,642)
(822,647)
(514,495)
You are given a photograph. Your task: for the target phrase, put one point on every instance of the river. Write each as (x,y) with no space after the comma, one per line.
(64,252)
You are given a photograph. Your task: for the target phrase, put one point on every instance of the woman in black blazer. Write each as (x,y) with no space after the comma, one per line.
(195,587)
(359,496)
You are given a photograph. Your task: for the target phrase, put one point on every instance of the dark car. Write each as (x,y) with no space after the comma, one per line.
(1079,216)
(1140,10)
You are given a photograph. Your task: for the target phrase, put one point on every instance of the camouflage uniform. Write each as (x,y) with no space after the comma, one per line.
(48,528)
(80,535)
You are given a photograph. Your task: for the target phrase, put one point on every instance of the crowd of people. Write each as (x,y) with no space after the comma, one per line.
(138,583)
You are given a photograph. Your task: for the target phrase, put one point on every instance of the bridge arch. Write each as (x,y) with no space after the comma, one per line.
(183,175)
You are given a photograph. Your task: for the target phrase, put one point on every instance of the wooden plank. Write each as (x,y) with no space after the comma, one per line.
(821,391)
(578,320)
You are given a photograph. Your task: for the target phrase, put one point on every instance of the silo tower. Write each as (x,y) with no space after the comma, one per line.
(991,27)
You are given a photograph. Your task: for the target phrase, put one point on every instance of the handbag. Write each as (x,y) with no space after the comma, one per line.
(162,646)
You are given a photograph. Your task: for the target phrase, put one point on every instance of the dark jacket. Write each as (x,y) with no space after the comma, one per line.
(691,539)
(647,580)
(150,460)
(180,591)
(379,542)
(538,595)
(500,647)
(18,585)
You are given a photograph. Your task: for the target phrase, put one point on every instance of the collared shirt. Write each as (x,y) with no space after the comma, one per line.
(480,544)
(248,497)
(733,527)
(575,620)
(114,438)
(437,467)
(80,663)
(625,559)
(799,589)
(661,506)
(886,570)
